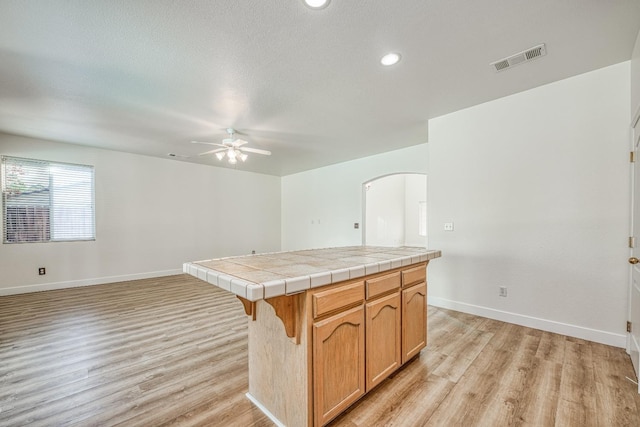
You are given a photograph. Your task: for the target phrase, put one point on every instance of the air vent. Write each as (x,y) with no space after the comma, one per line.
(519,58)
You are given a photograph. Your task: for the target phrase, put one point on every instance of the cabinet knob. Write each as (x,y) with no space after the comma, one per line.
(633,260)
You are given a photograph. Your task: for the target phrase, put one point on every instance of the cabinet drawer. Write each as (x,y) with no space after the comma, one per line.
(383,284)
(333,299)
(414,275)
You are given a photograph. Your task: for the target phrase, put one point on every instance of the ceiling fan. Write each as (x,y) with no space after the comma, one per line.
(231,147)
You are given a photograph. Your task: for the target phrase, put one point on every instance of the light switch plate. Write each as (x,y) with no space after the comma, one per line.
(448,226)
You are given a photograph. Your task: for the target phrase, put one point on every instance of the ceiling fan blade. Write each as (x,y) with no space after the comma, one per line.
(217,150)
(239,142)
(209,143)
(182,156)
(235,143)
(256,150)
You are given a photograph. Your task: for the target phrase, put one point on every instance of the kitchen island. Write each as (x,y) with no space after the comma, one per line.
(325,325)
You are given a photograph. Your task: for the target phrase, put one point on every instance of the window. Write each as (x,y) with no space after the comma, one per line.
(45,201)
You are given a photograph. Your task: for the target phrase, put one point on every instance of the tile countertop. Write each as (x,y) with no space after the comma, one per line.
(261,276)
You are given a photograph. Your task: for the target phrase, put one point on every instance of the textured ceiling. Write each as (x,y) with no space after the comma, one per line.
(149,76)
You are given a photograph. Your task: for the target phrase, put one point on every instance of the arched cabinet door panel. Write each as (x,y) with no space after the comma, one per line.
(414,320)
(338,363)
(383,338)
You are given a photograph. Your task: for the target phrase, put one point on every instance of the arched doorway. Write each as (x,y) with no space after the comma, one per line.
(395,210)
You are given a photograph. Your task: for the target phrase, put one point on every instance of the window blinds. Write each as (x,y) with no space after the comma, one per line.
(45,201)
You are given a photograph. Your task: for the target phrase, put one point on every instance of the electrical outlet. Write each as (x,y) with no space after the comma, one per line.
(42,271)
(448,226)
(503,291)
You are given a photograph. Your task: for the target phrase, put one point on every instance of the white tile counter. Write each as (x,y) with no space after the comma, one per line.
(256,277)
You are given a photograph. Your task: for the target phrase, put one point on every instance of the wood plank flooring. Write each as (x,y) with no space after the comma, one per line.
(173,351)
(143,353)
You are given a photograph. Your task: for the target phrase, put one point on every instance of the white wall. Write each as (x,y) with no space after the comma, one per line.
(151,216)
(635,78)
(415,192)
(538,185)
(319,207)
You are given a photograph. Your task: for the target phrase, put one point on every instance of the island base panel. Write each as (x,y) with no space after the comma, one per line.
(279,369)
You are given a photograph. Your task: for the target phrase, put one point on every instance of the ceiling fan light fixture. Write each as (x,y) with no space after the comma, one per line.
(231,148)
(390,58)
(316,4)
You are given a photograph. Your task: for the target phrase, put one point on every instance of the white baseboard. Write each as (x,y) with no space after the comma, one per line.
(603,337)
(85,282)
(633,351)
(264,410)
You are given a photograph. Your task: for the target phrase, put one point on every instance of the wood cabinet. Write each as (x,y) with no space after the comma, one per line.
(359,335)
(383,338)
(339,363)
(414,320)
(351,336)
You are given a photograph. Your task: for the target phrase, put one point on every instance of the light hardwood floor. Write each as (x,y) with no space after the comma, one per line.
(173,351)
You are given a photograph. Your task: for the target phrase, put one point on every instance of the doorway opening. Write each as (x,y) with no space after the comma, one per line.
(395,210)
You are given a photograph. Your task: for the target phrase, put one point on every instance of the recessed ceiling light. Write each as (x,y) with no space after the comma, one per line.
(317,4)
(390,59)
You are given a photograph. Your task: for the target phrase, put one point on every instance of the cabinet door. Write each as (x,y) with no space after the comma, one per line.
(414,320)
(383,338)
(338,363)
